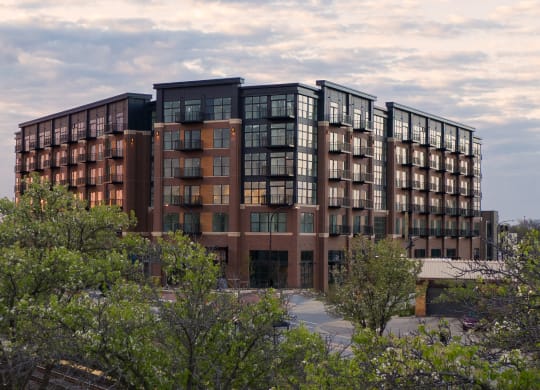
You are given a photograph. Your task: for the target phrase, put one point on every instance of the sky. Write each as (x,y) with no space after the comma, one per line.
(475,62)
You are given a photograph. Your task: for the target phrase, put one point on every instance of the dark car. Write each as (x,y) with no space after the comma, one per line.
(471,321)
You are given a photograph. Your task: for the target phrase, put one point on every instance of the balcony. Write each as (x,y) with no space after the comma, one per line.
(281,170)
(338,174)
(419,208)
(402,208)
(338,119)
(44,164)
(418,162)
(115,178)
(188,145)
(404,160)
(193,228)
(31,166)
(336,202)
(195,116)
(72,183)
(81,181)
(362,177)
(277,200)
(91,181)
(81,158)
(362,125)
(404,184)
(64,138)
(192,201)
(115,128)
(451,190)
(91,157)
(477,193)
(436,232)
(55,162)
(452,211)
(115,202)
(436,210)
(339,230)
(21,168)
(362,151)
(72,159)
(365,230)
(419,231)
(464,191)
(19,147)
(419,185)
(173,200)
(362,204)
(451,233)
(433,164)
(114,153)
(339,147)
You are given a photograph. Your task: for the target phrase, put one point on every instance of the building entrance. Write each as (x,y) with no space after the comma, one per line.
(268,269)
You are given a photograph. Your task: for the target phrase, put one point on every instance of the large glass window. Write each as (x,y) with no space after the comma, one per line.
(281,163)
(170,111)
(170,139)
(255,164)
(282,105)
(255,135)
(218,108)
(221,194)
(192,110)
(255,107)
(307,136)
(306,222)
(307,164)
(192,223)
(171,195)
(281,192)
(192,195)
(450,138)
(265,222)
(435,134)
(170,167)
(192,139)
(221,166)
(220,222)
(282,134)
(170,222)
(254,192)
(306,107)
(307,192)
(222,138)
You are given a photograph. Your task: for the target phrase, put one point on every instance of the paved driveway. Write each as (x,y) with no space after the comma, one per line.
(311,311)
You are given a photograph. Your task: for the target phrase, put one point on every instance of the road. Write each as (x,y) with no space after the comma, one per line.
(311,311)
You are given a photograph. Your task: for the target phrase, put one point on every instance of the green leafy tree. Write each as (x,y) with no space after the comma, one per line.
(52,249)
(376,283)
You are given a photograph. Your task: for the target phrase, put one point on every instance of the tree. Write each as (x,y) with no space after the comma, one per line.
(52,250)
(376,283)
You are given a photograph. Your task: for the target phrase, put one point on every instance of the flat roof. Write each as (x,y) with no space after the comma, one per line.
(431,116)
(87,107)
(329,84)
(200,83)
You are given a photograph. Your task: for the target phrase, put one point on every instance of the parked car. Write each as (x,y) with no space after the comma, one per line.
(471,321)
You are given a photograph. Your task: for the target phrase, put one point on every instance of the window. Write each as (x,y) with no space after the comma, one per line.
(218,108)
(307,192)
(255,107)
(419,253)
(192,195)
(282,105)
(221,194)
(170,222)
(306,223)
(192,167)
(222,138)
(281,192)
(170,139)
(192,110)
(435,252)
(221,166)
(192,139)
(254,192)
(170,111)
(307,164)
(451,253)
(306,107)
(255,164)
(450,138)
(307,136)
(191,223)
(170,167)
(171,195)
(255,135)
(281,163)
(281,134)
(220,222)
(265,222)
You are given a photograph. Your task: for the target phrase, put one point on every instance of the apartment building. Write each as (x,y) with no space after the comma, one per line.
(101,151)
(277,179)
